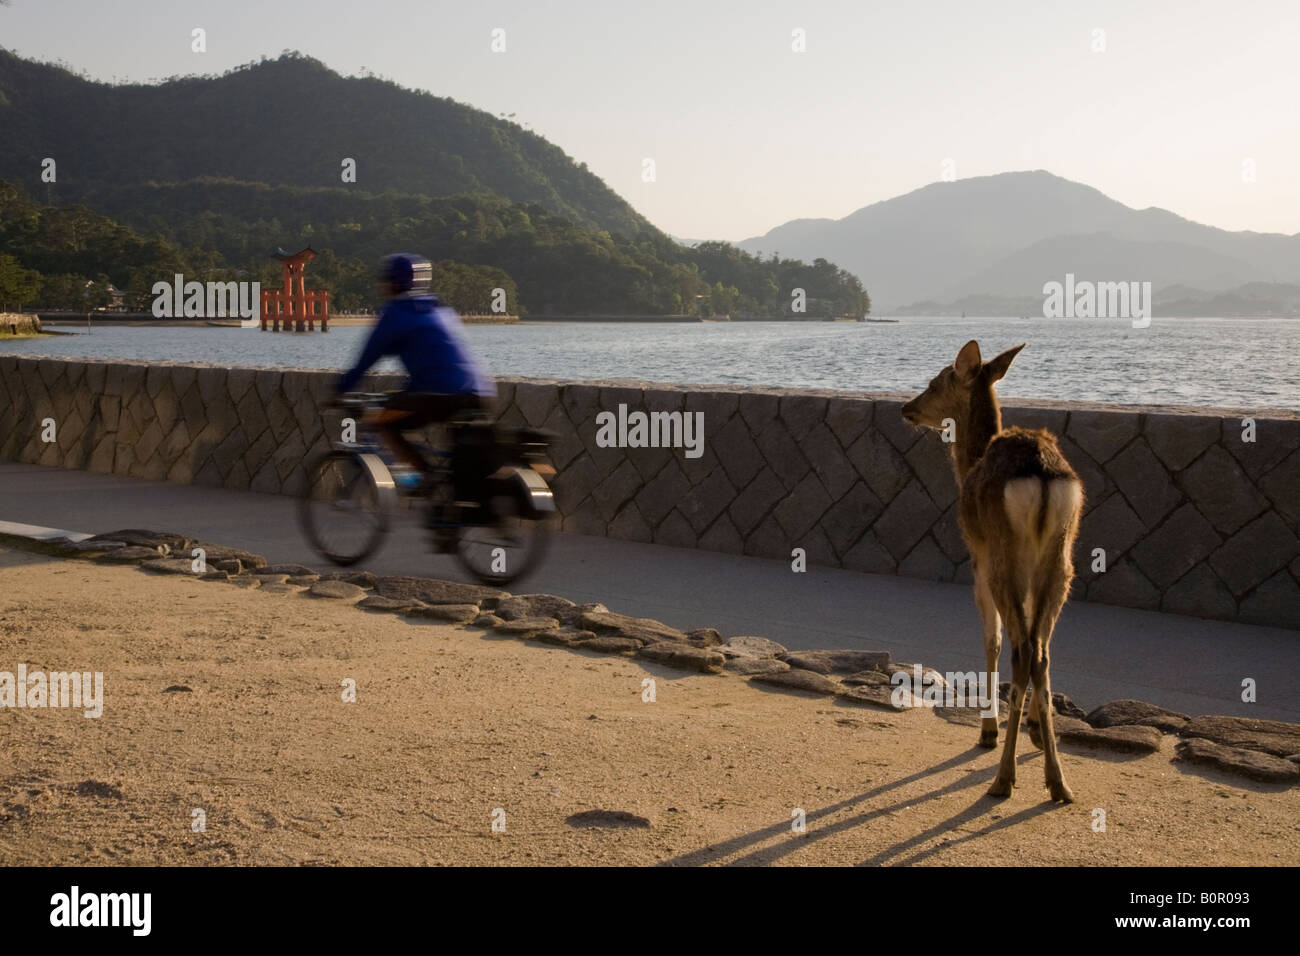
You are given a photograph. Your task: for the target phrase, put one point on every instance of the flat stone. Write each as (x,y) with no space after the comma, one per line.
(291,570)
(159,540)
(130,555)
(487,620)
(1068,708)
(169,566)
(873,694)
(339,590)
(303,580)
(1120,713)
(432,591)
(872,678)
(95,545)
(810,682)
(704,637)
(217,556)
(244,581)
(281,588)
(644,629)
(537,605)
(1124,739)
(362,579)
(1266,736)
(377,602)
(560,637)
(276,579)
(1246,763)
(838,662)
(752,666)
(610,645)
(753,647)
(527,627)
(606,818)
(229,565)
(215,575)
(675,654)
(451,613)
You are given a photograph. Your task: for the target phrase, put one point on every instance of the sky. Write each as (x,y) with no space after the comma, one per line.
(1191,106)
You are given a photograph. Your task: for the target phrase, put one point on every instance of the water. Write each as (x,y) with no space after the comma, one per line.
(1240,363)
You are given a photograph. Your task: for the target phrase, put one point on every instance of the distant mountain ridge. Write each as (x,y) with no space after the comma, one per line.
(1004,236)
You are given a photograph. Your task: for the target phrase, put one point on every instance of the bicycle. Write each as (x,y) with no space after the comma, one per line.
(488,500)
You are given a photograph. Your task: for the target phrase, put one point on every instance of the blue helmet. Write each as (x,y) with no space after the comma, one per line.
(409,274)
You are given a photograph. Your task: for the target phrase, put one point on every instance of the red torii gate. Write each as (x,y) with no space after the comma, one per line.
(297,308)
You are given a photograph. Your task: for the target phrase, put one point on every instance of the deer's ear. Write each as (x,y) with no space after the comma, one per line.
(998,366)
(968,360)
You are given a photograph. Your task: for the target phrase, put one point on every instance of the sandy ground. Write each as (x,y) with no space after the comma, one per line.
(452,724)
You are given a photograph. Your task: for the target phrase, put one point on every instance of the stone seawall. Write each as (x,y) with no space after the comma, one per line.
(1190,515)
(15,323)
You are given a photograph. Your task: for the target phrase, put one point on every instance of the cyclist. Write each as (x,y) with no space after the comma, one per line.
(444,380)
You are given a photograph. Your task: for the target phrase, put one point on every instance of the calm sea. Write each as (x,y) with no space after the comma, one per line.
(1247,363)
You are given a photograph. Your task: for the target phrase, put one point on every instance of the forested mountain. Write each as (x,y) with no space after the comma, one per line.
(232,167)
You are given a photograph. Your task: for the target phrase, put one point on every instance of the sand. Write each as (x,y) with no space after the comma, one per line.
(453,728)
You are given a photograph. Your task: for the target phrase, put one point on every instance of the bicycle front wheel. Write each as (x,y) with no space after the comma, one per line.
(341,509)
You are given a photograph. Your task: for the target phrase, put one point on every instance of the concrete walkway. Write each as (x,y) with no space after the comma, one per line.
(1099,653)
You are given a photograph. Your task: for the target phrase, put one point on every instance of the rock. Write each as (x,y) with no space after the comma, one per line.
(432,591)
(751,666)
(1068,708)
(161,541)
(874,694)
(838,662)
(644,629)
(377,602)
(1119,713)
(215,576)
(683,655)
(289,570)
(132,554)
(609,645)
(93,544)
(303,580)
(451,613)
(486,620)
(340,590)
(1248,763)
(537,605)
(606,818)
(1127,738)
(1266,736)
(274,579)
(362,579)
(752,647)
(169,566)
(528,627)
(560,637)
(244,581)
(177,688)
(703,637)
(229,565)
(280,588)
(217,555)
(869,678)
(809,682)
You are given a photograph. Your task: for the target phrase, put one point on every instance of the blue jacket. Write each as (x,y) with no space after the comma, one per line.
(426,335)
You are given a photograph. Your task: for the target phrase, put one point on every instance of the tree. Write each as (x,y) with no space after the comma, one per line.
(17,284)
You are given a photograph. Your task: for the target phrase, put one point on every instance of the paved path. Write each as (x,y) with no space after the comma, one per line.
(1099,653)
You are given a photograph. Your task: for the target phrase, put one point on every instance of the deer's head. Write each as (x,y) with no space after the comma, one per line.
(949,392)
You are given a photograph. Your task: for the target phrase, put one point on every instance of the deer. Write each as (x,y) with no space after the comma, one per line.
(1018,509)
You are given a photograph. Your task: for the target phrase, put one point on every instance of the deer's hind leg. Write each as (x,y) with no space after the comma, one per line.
(1013,612)
(1052,589)
(992,622)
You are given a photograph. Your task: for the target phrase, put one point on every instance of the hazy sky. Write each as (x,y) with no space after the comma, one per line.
(746,133)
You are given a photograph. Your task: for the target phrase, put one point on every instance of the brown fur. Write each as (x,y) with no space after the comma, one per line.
(1019,514)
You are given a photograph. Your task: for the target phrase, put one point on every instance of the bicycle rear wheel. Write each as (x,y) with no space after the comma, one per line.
(506,549)
(341,510)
